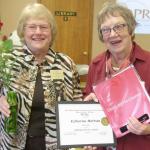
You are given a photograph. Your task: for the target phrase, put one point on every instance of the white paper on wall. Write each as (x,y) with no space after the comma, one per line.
(141,11)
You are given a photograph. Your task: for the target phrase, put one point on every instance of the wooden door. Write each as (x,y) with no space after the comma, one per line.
(74,23)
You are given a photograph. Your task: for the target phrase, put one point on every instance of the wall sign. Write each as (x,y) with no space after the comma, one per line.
(141,11)
(65,14)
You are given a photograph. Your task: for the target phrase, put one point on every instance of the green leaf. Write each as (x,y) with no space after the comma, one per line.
(8,45)
(1,46)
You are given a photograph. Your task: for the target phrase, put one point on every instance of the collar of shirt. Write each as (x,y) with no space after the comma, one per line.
(29,57)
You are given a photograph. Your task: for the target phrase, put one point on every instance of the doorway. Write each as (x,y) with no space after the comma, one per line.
(74,24)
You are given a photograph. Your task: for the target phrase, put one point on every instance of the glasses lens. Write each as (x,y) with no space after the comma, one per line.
(33,27)
(119,27)
(105,31)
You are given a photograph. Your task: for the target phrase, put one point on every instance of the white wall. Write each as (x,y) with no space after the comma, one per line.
(10,11)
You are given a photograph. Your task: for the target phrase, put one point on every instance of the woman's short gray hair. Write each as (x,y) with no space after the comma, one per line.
(115,9)
(36,11)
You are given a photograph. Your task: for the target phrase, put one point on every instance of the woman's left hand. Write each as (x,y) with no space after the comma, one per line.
(136,127)
(90,97)
(90,148)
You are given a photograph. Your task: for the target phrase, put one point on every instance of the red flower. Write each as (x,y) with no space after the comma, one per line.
(4,38)
(1,24)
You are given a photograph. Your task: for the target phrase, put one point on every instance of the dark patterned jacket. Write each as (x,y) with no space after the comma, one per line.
(60,82)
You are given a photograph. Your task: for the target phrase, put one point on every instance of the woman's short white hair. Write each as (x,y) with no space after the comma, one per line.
(35,11)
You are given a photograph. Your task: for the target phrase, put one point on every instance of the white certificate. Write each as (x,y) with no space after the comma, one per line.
(82,124)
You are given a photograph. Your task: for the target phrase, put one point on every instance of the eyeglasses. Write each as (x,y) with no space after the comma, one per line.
(117,28)
(34,27)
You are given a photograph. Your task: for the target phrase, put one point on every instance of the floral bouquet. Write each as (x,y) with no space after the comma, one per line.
(6,46)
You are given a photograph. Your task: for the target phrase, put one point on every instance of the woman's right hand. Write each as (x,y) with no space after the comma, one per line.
(90,97)
(4,106)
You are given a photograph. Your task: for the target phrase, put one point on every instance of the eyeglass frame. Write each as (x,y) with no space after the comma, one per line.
(33,27)
(114,28)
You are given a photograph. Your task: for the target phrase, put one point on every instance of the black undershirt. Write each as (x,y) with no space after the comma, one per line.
(37,118)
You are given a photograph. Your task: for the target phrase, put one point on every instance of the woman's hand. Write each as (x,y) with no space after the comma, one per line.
(90,148)
(90,97)
(136,127)
(4,106)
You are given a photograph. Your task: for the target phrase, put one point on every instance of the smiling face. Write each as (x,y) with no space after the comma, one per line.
(37,36)
(118,41)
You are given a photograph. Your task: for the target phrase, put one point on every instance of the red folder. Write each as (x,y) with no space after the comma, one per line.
(123,96)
